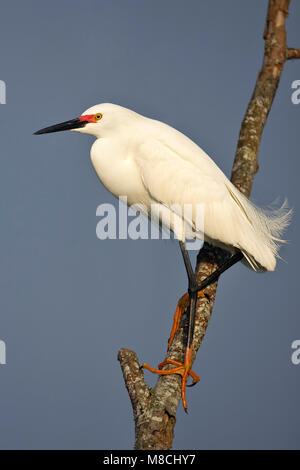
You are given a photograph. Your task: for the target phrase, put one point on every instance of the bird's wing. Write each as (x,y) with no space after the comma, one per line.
(172,178)
(177,171)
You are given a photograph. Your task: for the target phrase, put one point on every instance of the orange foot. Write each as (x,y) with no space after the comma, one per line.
(183,303)
(182,369)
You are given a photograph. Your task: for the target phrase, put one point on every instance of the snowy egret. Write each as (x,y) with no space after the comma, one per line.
(150,163)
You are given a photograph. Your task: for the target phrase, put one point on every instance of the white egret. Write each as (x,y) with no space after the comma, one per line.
(150,163)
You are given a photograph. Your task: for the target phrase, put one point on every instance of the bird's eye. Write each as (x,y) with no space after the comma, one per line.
(98,117)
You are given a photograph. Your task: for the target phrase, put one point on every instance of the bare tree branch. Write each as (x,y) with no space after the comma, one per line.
(155,410)
(245,163)
(138,391)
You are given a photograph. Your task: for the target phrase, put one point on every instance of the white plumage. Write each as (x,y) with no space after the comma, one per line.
(153,163)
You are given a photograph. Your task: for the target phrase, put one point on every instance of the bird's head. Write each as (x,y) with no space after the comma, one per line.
(99,120)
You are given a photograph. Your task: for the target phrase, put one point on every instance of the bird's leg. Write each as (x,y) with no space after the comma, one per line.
(193,294)
(238,256)
(184,369)
(190,300)
(184,301)
(182,305)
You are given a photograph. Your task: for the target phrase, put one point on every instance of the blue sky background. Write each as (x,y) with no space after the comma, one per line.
(193,65)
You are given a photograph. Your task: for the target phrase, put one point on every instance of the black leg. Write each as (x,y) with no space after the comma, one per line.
(188,265)
(215,275)
(184,369)
(194,288)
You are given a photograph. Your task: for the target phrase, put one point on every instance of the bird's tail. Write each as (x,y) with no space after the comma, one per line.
(260,232)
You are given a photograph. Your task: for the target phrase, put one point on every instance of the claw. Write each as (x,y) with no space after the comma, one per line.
(182,369)
(192,384)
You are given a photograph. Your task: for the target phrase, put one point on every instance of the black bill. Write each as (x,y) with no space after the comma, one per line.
(63,126)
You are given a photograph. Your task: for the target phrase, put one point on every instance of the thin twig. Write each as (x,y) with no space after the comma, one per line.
(292,53)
